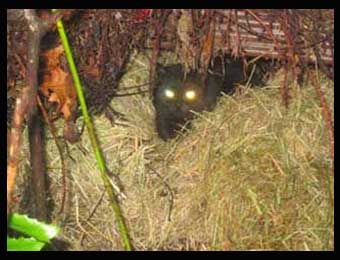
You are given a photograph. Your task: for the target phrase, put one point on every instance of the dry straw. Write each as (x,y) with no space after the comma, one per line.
(250,175)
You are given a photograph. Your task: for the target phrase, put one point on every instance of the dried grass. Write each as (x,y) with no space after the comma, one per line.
(249,175)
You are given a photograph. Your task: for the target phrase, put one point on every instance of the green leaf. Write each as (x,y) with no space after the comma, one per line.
(32,227)
(24,244)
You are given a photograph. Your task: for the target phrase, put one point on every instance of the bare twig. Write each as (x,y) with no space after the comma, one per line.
(326,113)
(171,194)
(93,210)
(159,28)
(53,131)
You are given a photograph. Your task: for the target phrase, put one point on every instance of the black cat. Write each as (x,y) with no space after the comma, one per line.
(174,96)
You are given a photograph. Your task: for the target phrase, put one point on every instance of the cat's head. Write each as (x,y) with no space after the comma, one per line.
(177,95)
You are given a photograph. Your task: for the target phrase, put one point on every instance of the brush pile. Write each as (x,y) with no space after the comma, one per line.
(103,40)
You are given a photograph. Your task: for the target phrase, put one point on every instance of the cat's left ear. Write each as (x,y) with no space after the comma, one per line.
(161,70)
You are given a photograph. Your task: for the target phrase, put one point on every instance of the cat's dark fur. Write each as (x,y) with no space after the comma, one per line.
(174,112)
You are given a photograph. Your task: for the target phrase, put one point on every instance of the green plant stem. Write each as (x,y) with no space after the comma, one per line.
(93,137)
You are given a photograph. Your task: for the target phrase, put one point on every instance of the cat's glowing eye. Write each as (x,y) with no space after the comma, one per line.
(169,93)
(190,95)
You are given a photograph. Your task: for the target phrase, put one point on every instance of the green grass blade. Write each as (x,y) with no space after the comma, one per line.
(32,227)
(92,135)
(24,244)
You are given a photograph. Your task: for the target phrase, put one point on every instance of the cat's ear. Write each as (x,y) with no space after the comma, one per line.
(160,70)
(216,66)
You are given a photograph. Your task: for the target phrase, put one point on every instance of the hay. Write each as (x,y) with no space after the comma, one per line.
(249,175)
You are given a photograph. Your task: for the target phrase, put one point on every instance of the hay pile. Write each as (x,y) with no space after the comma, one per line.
(249,175)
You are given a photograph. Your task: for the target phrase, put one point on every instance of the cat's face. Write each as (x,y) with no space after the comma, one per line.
(176,97)
(180,98)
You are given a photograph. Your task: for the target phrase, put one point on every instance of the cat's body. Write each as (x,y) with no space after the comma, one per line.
(175,97)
